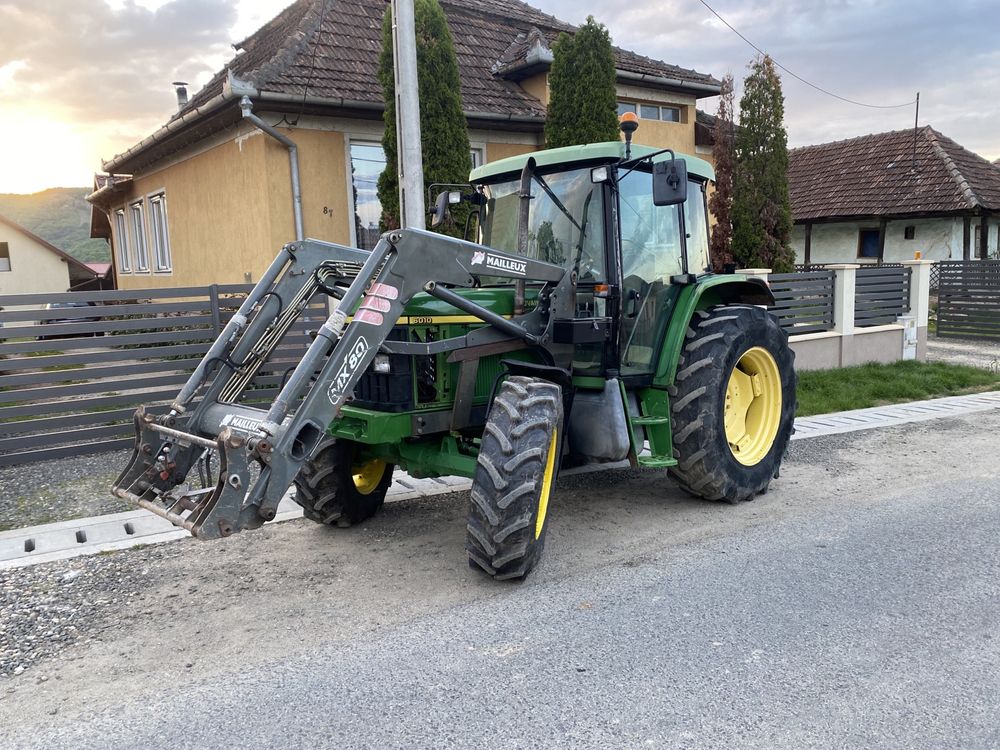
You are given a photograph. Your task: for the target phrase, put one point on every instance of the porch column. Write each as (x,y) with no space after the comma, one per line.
(966,237)
(807,255)
(881,240)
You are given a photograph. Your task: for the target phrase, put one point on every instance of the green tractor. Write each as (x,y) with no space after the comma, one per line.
(585,326)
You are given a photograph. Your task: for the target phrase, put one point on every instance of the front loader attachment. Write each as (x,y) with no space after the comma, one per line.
(247,457)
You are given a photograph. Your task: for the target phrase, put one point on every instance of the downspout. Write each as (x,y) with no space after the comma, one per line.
(246,106)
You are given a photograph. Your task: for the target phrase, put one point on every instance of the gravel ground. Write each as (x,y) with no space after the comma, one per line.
(47,610)
(982,354)
(60,490)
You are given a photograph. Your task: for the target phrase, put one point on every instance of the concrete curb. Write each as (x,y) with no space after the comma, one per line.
(88,536)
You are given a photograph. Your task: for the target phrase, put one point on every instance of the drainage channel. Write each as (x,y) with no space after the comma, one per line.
(87,536)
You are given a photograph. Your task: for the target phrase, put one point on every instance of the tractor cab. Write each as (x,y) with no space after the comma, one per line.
(596,210)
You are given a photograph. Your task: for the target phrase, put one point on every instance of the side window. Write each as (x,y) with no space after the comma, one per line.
(121,237)
(651,247)
(696,226)
(158,228)
(138,236)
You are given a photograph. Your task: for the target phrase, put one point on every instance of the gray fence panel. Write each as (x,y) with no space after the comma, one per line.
(969,299)
(803,301)
(881,294)
(71,377)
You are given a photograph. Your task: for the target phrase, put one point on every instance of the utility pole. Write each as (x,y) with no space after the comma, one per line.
(410,158)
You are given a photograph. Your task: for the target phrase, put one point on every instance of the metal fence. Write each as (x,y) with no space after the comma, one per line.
(881,294)
(969,299)
(72,376)
(803,301)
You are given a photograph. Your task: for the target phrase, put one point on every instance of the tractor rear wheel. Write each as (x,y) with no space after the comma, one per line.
(732,403)
(515,473)
(337,488)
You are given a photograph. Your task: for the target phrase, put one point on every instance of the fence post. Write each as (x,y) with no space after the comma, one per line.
(760,273)
(844,278)
(920,293)
(213,297)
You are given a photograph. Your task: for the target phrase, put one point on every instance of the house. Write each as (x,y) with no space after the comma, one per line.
(207,197)
(886,197)
(30,265)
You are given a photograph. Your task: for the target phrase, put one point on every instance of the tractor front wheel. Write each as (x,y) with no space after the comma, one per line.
(732,403)
(337,487)
(515,472)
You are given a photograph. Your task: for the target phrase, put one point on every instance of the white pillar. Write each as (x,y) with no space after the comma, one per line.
(844,276)
(920,289)
(759,273)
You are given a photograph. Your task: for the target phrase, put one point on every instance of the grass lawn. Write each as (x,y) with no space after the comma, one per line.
(824,391)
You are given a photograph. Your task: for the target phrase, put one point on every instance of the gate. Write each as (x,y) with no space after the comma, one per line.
(969,299)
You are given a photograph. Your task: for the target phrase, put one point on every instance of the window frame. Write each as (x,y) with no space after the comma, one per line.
(120,233)
(5,256)
(350,141)
(159,198)
(138,234)
(861,242)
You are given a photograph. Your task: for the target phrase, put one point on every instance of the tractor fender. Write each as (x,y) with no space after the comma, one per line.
(721,289)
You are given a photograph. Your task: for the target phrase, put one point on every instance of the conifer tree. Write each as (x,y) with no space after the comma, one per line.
(582,104)
(444,134)
(762,217)
(720,203)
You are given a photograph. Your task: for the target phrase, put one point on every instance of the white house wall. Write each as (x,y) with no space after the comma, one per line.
(935,239)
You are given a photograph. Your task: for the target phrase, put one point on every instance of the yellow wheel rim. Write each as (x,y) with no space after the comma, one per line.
(547,477)
(752,413)
(367,475)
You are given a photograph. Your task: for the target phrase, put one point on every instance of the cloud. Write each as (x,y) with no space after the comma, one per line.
(874,51)
(87,62)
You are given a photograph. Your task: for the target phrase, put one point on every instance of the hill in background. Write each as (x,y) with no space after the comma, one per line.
(60,216)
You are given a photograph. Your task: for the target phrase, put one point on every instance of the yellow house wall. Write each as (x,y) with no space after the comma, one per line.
(217,216)
(34,269)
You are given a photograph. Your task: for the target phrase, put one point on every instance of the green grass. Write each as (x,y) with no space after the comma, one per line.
(824,391)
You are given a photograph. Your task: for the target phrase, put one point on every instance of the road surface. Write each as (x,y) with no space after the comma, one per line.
(855,605)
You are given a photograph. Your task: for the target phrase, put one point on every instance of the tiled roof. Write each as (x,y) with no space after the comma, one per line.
(328,49)
(876,175)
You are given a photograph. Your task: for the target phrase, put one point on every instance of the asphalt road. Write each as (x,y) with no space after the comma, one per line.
(856,605)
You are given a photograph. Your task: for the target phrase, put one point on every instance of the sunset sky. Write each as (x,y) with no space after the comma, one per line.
(82,80)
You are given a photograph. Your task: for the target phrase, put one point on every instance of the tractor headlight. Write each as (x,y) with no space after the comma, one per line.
(381,363)
(599,174)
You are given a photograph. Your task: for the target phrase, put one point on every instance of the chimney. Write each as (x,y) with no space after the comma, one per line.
(180,87)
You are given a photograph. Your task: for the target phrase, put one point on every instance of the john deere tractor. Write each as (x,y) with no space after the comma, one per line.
(584,326)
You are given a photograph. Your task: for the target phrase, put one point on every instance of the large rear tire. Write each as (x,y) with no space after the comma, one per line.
(335,488)
(732,403)
(515,473)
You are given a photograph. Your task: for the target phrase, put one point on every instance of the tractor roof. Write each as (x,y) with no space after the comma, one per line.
(591,152)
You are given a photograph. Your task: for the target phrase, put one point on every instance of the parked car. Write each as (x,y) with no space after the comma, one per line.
(69,305)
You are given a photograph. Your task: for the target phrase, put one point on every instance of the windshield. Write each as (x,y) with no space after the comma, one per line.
(565,221)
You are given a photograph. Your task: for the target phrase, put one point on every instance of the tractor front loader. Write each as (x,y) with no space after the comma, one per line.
(584,326)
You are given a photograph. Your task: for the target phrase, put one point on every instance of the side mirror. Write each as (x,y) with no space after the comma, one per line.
(440,212)
(670,182)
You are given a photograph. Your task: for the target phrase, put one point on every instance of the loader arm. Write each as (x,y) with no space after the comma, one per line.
(258,453)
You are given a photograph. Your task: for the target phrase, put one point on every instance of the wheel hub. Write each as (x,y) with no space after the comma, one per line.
(752,413)
(367,475)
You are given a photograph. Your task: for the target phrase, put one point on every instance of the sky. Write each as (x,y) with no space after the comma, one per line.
(82,80)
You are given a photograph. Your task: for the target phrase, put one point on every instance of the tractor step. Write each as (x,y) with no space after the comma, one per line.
(656,462)
(649,420)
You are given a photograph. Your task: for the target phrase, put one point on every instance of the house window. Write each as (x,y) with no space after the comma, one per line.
(624,107)
(909,232)
(367,163)
(121,235)
(158,229)
(651,111)
(138,236)
(477,157)
(868,243)
(4,256)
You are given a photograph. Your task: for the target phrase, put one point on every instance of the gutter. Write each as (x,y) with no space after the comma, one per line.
(246,107)
(699,89)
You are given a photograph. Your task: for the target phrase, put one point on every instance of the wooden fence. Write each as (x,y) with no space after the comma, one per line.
(71,377)
(881,294)
(969,299)
(803,300)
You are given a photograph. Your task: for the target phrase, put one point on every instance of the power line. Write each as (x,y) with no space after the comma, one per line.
(798,77)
